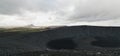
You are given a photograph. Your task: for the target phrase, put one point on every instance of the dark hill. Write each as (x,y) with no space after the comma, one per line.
(73,37)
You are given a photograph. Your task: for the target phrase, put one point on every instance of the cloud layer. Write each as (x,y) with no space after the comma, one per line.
(59,12)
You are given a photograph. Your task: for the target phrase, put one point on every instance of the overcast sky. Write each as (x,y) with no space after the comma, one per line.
(59,12)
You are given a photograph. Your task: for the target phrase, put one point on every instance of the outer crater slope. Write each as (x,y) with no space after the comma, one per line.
(72,37)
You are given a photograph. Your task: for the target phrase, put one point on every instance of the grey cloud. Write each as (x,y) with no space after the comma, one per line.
(95,10)
(14,6)
(65,10)
(10,6)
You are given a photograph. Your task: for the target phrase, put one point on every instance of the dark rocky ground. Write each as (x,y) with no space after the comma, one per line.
(80,52)
(66,38)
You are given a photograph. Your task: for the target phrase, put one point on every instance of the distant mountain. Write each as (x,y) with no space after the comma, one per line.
(67,37)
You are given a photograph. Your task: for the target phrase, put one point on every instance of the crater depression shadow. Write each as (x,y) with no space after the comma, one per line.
(64,43)
(109,42)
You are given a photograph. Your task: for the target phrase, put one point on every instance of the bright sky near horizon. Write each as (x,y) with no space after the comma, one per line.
(14,13)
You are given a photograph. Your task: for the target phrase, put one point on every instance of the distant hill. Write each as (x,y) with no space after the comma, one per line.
(67,37)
